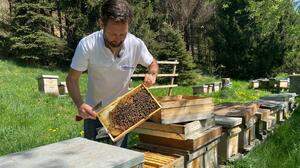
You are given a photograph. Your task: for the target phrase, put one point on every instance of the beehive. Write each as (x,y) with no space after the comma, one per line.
(177,109)
(48,84)
(202,89)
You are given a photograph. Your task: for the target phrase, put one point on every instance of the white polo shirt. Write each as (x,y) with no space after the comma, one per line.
(108,77)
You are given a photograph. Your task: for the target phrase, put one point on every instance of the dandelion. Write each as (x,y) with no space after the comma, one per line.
(81,133)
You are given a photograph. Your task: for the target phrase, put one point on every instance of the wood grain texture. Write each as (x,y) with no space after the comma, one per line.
(193,143)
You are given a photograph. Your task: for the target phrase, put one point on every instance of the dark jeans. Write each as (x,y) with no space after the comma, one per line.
(90,132)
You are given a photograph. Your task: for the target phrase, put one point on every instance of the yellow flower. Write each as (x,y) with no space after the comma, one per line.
(81,133)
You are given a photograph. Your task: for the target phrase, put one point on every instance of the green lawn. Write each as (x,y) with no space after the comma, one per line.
(30,118)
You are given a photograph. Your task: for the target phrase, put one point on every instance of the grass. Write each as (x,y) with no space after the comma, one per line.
(30,118)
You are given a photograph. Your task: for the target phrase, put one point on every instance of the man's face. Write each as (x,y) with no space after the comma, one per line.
(115,33)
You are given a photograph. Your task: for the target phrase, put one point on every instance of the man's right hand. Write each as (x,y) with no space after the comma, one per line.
(86,111)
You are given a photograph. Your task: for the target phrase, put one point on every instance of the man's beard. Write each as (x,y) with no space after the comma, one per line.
(111,44)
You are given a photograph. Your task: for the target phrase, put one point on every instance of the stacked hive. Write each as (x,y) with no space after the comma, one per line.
(185,126)
(226,115)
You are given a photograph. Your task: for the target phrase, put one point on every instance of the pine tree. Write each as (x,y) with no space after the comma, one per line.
(32,36)
(172,46)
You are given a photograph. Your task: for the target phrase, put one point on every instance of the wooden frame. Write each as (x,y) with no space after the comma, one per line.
(161,160)
(103,116)
(172,76)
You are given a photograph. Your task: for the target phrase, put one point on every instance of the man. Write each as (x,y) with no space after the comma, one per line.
(110,56)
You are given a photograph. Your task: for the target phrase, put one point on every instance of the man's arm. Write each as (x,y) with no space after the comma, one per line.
(84,110)
(150,78)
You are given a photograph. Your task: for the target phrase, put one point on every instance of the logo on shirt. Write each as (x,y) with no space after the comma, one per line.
(127,67)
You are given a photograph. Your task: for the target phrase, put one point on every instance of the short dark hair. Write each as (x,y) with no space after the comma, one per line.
(116,10)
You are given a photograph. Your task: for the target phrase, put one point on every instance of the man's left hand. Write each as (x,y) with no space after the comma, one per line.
(149,80)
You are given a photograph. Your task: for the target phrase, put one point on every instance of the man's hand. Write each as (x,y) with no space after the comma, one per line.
(149,80)
(86,111)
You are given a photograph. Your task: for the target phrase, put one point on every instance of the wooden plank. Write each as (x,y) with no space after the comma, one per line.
(183,128)
(175,131)
(183,109)
(158,75)
(172,79)
(184,101)
(75,153)
(205,108)
(228,122)
(168,62)
(195,141)
(180,118)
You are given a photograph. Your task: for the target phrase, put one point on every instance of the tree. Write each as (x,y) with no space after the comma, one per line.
(32,37)
(173,47)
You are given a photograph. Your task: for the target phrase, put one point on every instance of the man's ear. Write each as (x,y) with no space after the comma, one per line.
(100,23)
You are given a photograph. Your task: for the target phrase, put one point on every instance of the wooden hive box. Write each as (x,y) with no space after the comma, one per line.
(283,84)
(264,83)
(48,84)
(244,111)
(247,138)
(279,108)
(202,89)
(225,82)
(217,86)
(254,84)
(181,131)
(228,148)
(210,88)
(178,109)
(204,157)
(62,87)
(193,142)
(208,156)
(264,123)
(287,99)
(105,114)
(154,159)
